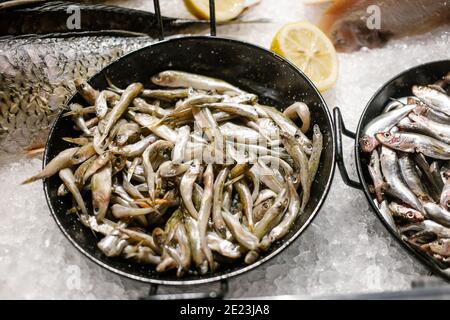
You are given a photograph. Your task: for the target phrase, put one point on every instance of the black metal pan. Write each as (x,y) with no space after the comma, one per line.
(252,68)
(397,87)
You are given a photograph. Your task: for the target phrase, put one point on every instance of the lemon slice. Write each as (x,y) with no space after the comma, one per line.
(310,50)
(225,9)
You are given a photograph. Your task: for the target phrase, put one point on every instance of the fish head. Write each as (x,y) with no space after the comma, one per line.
(195,167)
(417,118)
(163,78)
(118,161)
(388,138)
(368,143)
(352,35)
(413,215)
(261,209)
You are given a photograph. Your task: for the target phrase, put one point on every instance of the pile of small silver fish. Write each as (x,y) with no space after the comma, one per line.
(188,176)
(37,78)
(410,167)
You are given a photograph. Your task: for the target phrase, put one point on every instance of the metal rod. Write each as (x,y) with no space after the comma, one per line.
(159,19)
(212,17)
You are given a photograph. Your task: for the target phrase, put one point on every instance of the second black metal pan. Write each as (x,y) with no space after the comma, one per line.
(254,69)
(397,87)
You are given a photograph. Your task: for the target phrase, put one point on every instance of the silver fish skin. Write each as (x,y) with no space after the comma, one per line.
(394,182)
(433,186)
(289,127)
(432,114)
(445,195)
(37,78)
(395,104)
(289,218)
(242,235)
(243,110)
(179,79)
(101,191)
(434,129)
(198,256)
(415,143)
(405,214)
(131,92)
(427,226)
(180,146)
(435,170)
(382,123)
(435,99)
(224,247)
(218,222)
(112,245)
(273,215)
(141,254)
(263,196)
(301,162)
(68,179)
(63,160)
(234,132)
(204,213)
(169,169)
(246,201)
(314,159)
(387,214)
(412,179)
(186,187)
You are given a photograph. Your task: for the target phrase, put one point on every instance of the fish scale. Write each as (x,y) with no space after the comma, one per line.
(36,77)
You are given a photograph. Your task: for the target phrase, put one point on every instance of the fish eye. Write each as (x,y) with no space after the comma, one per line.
(410,215)
(76,157)
(265,205)
(96,209)
(297,136)
(387,134)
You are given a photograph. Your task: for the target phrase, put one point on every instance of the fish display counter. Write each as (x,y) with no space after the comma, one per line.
(346,250)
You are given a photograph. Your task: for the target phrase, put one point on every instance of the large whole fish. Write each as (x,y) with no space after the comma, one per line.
(37,77)
(351,24)
(38,69)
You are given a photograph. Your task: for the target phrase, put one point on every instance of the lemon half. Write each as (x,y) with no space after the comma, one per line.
(310,50)
(225,9)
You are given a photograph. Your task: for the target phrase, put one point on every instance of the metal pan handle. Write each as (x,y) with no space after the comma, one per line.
(213,294)
(212,18)
(339,129)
